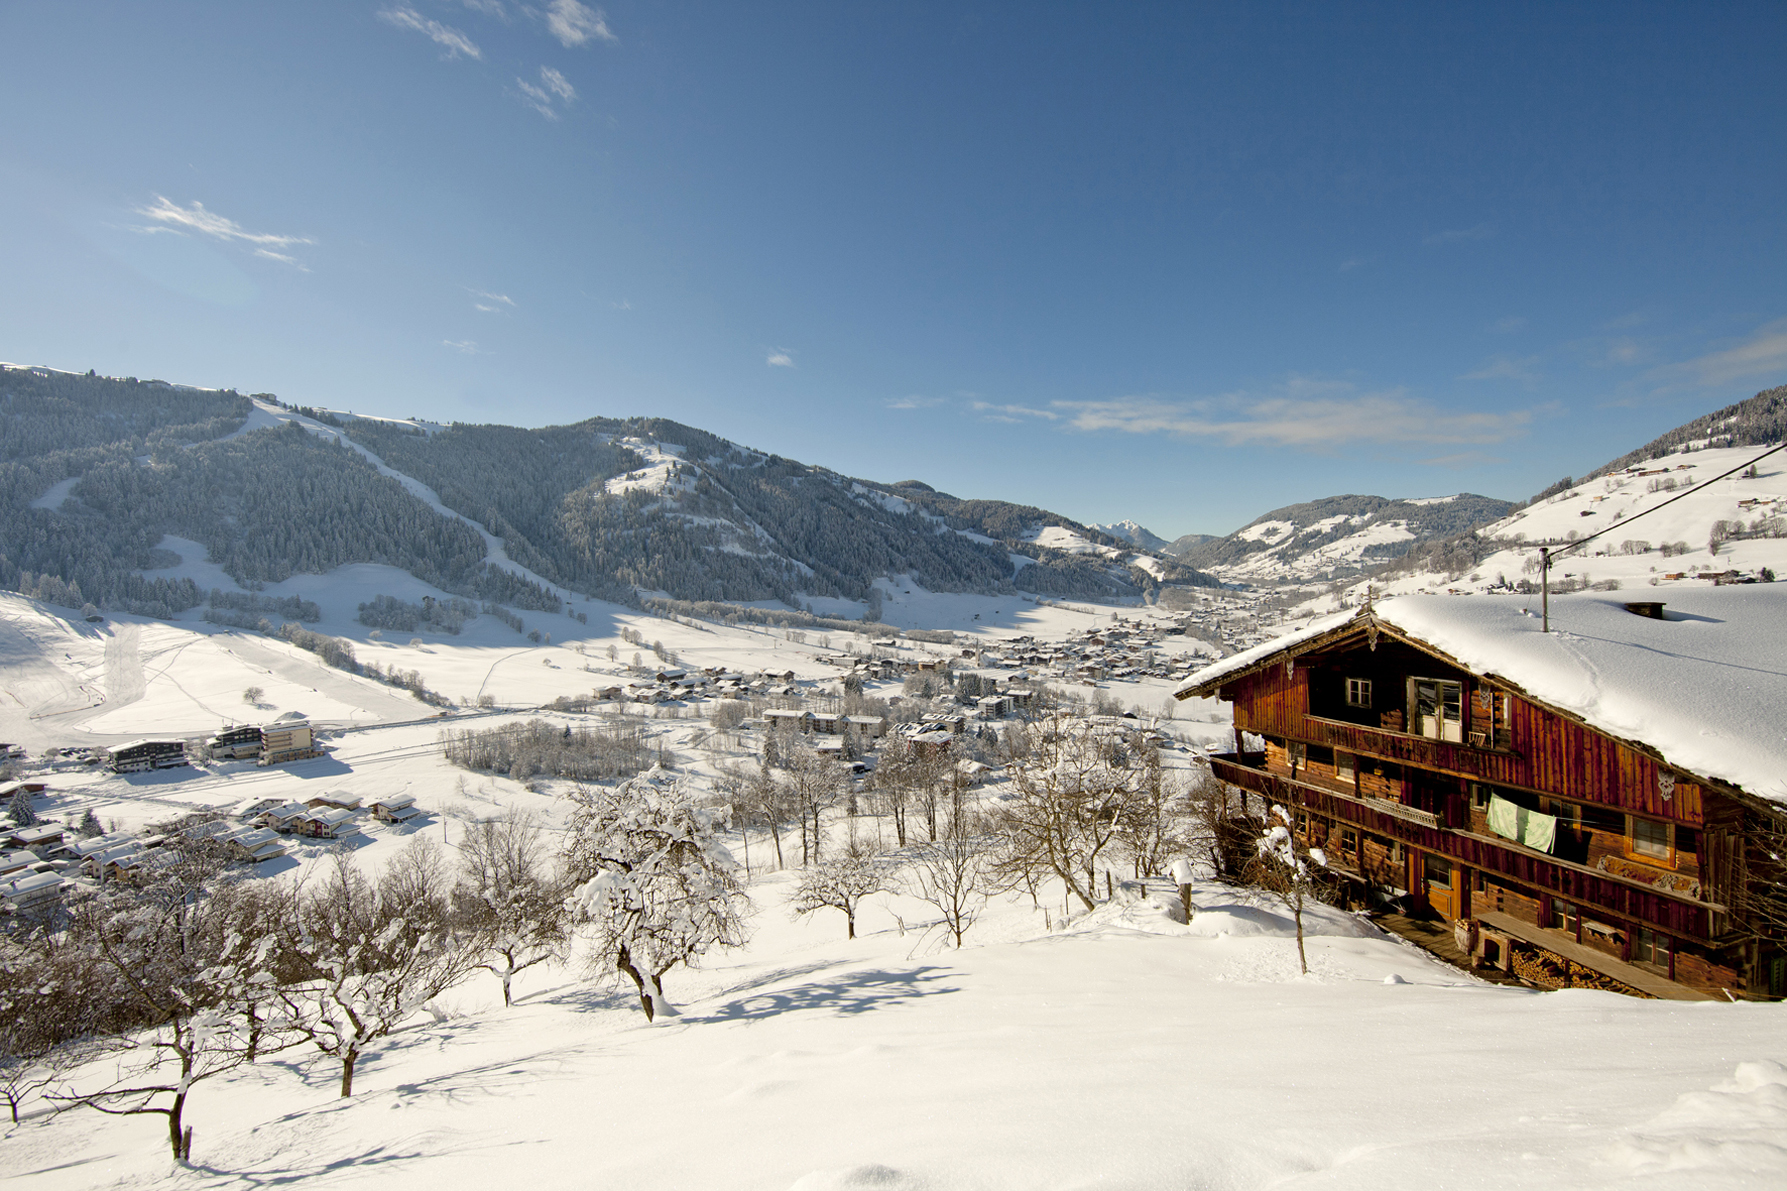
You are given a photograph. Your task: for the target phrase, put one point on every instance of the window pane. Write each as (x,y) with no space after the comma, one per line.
(1650,838)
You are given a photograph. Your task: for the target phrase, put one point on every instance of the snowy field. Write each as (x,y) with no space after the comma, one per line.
(1119,1050)
(1123,1050)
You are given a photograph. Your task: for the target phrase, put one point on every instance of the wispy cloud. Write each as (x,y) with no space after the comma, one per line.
(467,346)
(553,93)
(1353,262)
(991,412)
(1459,235)
(577,24)
(490,8)
(1518,368)
(1463,459)
(622,305)
(490,303)
(451,40)
(780,358)
(915,403)
(1762,353)
(172,217)
(1509,325)
(1308,414)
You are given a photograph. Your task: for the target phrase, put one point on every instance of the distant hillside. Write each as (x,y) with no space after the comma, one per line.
(1180,546)
(1338,537)
(1759,419)
(94,471)
(1711,528)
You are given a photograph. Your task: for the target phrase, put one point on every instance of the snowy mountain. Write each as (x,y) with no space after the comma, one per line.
(96,472)
(1135,535)
(1335,538)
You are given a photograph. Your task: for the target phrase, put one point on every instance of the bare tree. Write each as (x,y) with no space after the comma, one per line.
(366,956)
(186,977)
(507,899)
(48,1010)
(951,873)
(812,784)
(841,883)
(253,695)
(653,886)
(1072,792)
(1154,823)
(1287,870)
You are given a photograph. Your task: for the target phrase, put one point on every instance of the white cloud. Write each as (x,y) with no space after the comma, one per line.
(553,92)
(1463,459)
(491,303)
(177,219)
(448,38)
(1308,414)
(1762,353)
(780,358)
(992,412)
(1353,262)
(915,403)
(490,8)
(1458,235)
(461,345)
(1508,325)
(1507,368)
(576,24)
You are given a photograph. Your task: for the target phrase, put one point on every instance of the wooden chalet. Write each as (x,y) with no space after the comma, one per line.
(1587,807)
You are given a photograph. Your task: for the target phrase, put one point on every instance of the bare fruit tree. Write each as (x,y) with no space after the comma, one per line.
(179,975)
(508,900)
(253,696)
(1072,793)
(951,873)
(841,883)
(365,956)
(1289,871)
(653,887)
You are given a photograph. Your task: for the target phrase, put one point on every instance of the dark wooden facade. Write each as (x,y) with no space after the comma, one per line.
(1639,879)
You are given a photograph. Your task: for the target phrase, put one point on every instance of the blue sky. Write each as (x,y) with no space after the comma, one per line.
(1177,263)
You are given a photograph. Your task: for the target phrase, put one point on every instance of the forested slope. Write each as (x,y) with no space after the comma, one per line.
(610,507)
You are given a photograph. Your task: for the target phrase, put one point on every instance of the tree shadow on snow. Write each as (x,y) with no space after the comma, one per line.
(857,992)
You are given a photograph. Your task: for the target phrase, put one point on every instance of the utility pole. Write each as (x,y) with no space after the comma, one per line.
(1545,587)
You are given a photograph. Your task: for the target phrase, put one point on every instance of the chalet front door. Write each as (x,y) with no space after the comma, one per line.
(1442,886)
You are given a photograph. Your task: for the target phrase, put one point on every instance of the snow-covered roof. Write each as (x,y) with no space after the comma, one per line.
(1704,686)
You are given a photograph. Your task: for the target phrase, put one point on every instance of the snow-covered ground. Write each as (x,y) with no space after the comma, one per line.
(1123,1050)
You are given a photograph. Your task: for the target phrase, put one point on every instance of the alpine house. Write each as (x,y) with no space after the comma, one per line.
(1600,805)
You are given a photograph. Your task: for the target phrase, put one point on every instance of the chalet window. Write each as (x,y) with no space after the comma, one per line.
(1650,838)
(1343,765)
(1358,692)
(1439,872)
(1649,947)
(1480,795)
(1349,841)
(1565,916)
(1298,753)
(1436,709)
